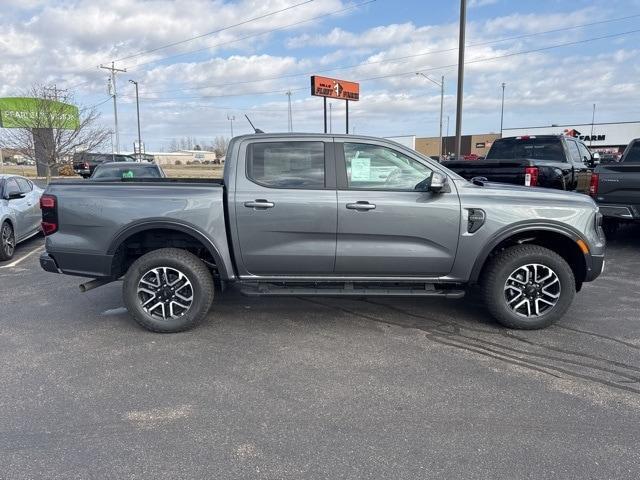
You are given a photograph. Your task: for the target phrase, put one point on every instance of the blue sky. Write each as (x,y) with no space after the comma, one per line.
(192,94)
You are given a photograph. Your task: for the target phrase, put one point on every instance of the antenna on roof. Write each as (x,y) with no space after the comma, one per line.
(255,130)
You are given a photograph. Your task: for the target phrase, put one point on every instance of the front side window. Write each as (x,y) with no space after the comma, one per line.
(574,152)
(585,154)
(287,164)
(632,155)
(373,167)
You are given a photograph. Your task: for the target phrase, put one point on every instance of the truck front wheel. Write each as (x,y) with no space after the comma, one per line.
(528,287)
(168,290)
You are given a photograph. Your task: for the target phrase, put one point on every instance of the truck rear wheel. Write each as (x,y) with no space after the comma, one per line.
(528,287)
(168,290)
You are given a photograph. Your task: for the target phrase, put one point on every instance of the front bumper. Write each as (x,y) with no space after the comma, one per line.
(48,264)
(595,266)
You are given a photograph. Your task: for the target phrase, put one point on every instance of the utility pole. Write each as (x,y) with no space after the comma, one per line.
(138,112)
(330,117)
(113,91)
(441,85)
(502,109)
(593,119)
(231,118)
(290,120)
(461,40)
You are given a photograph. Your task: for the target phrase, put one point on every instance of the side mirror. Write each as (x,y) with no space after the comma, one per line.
(438,182)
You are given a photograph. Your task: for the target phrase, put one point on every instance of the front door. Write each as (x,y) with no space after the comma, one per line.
(385,226)
(285,204)
(20,208)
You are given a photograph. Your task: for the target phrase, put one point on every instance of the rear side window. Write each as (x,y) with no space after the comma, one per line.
(632,155)
(25,185)
(287,164)
(549,148)
(574,152)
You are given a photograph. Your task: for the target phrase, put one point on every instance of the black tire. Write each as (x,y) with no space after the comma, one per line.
(200,286)
(7,242)
(500,268)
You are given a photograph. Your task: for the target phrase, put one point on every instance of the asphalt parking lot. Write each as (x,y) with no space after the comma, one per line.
(318,388)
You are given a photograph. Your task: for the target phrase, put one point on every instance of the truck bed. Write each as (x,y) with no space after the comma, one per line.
(84,235)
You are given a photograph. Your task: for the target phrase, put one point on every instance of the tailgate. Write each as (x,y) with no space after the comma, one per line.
(504,171)
(619,184)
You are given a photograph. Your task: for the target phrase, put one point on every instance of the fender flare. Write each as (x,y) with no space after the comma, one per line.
(164,224)
(503,235)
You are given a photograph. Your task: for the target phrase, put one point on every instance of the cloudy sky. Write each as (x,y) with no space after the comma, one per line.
(201,61)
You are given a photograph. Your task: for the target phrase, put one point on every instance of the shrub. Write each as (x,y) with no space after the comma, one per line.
(178,162)
(66,170)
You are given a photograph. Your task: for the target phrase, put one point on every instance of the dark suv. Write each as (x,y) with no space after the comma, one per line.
(84,163)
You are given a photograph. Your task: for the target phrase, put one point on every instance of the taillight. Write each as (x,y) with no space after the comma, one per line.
(593,186)
(49,207)
(531,176)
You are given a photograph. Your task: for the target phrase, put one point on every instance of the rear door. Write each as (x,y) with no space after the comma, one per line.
(285,207)
(385,227)
(33,214)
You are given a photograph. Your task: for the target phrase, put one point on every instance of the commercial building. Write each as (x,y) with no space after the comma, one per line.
(470,144)
(601,137)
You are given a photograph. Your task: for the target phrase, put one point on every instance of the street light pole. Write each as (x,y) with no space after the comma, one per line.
(593,119)
(502,109)
(231,118)
(461,40)
(138,112)
(441,85)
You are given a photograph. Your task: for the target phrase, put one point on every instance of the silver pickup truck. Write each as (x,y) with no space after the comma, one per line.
(312,214)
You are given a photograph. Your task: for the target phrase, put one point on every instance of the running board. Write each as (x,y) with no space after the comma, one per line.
(270,290)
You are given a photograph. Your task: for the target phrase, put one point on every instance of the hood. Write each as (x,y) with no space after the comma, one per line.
(525,194)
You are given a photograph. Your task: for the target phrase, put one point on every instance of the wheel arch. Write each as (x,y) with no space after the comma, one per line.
(558,238)
(132,231)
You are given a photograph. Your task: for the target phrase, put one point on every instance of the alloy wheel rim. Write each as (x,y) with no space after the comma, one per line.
(165,293)
(8,242)
(532,290)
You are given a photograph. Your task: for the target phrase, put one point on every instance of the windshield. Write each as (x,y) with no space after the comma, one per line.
(632,155)
(117,172)
(542,148)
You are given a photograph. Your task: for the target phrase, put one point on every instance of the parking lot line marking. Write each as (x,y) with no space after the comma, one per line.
(24,257)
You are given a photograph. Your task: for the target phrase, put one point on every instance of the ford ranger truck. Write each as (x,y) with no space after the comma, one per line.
(318,214)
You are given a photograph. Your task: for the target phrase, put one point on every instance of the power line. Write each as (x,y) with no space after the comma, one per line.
(253,35)
(412,72)
(244,22)
(388,60)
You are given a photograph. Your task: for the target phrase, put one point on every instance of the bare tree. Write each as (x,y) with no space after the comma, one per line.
(43,127)
(220,145)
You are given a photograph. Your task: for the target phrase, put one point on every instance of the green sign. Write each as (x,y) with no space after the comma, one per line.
(23,112)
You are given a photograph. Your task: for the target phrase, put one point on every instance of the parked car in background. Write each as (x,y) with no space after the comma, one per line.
(609,158)
(313,214)
(616,188)
(552,161)
(113,171)
(84,163)
(19,212)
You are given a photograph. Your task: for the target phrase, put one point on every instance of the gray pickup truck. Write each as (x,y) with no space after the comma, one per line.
(312,214)
(616,188)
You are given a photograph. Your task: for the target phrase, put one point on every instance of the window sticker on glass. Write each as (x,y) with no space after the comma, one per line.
(360,169)
(127,174)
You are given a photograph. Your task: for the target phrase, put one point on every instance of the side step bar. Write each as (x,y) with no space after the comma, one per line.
(270,289)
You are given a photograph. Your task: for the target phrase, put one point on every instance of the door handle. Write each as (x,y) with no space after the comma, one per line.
(260,203)
(360,206)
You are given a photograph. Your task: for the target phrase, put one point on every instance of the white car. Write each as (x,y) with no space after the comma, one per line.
(19,212)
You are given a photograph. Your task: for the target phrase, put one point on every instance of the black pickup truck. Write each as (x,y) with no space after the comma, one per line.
(551,161)
(616,188)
